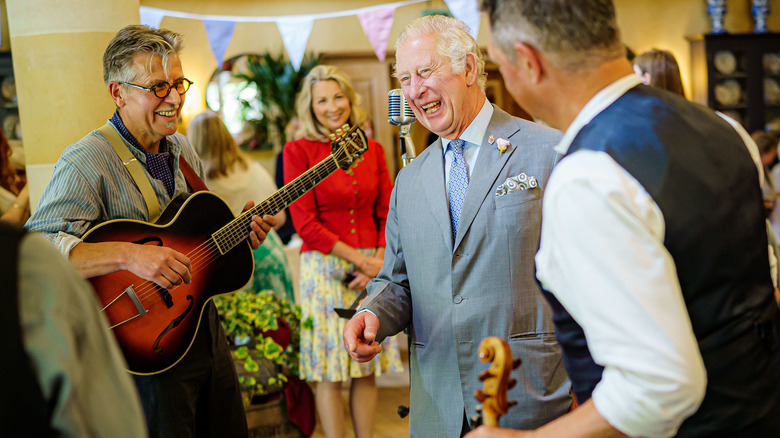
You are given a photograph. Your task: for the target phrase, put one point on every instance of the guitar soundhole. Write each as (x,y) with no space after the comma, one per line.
(174,323)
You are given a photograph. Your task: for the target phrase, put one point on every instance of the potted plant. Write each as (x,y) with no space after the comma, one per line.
(277,84)
(264,331)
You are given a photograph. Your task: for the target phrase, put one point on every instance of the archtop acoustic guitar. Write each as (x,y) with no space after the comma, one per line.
(155,327)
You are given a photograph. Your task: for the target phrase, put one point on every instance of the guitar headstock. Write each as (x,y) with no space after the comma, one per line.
(496,379)
(347,145)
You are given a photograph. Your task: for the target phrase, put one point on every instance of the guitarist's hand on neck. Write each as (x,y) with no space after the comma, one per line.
(260,227)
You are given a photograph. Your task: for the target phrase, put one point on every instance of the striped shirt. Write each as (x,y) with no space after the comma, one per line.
(159,164)
(90,185)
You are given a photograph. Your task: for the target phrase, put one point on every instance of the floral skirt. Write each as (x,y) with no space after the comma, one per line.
(323,357)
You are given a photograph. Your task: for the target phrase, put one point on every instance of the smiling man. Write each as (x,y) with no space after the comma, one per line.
(461,233)
(90,185)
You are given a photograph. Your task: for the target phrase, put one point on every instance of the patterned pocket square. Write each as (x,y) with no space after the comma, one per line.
(516,183)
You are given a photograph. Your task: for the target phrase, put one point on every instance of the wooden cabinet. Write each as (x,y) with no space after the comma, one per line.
(739,75)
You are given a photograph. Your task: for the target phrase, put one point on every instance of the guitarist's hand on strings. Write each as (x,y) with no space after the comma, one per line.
(359,335)
(260,226)
(164,266)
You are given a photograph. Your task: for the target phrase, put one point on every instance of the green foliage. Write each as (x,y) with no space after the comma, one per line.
(262,364)
(277,86)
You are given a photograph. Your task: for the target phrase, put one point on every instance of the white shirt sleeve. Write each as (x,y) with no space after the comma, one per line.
(602,255)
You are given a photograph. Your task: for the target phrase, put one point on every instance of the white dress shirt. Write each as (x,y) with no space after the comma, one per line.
(473,136)
(603,256)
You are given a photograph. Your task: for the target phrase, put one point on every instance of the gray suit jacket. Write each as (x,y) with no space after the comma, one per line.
(453,297)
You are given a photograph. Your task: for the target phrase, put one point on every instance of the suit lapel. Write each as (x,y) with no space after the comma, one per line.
(435,191)
(487,168)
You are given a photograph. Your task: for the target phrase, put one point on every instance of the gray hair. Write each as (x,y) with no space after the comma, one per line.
(574,34)
(454,42)
(133,39)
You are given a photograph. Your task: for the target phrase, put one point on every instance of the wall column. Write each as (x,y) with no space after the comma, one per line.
(57,50)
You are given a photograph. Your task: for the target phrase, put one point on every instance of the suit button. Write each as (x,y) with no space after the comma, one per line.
(352,231)
(457,299)
(352,212)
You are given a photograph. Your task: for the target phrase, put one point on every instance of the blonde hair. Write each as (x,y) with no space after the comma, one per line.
(309,127)
(453,41)
(215,145)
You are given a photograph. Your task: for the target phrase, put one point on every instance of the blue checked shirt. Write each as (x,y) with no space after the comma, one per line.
(90,185)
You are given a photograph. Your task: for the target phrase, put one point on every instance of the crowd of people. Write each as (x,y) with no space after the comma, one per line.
(624,246)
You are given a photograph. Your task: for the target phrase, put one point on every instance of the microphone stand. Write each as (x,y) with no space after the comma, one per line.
(407,147)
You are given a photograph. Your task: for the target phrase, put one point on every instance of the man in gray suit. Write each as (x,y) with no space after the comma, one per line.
(462,231)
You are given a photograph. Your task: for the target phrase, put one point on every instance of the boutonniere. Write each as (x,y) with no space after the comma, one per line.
(502,144)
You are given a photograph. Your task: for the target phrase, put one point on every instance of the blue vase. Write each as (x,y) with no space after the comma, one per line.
(716,10)
(760,11)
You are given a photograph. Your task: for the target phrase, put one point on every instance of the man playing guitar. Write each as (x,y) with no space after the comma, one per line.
(199,395)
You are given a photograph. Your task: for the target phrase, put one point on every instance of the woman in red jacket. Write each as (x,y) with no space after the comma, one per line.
(342,225)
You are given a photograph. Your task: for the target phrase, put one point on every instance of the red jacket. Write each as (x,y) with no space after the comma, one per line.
(351,207)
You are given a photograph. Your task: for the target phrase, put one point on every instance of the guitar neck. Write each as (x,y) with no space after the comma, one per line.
(237,230)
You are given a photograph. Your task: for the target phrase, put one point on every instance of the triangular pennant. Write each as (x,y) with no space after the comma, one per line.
(466,11)
(151,17)
(219,34)
(295,34)
(376,24)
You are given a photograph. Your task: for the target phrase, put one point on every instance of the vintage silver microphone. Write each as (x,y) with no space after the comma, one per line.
(400,114)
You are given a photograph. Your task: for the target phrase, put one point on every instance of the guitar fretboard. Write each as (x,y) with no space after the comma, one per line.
(236,231)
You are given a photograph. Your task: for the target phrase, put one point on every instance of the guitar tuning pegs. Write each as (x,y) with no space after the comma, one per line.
(480,396)
(332,137)
(512,403)
(516,363)
(339,132)
(511,383)
(345,127)
(484,375)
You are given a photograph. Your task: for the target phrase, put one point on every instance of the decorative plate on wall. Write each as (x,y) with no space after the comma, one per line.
(725,62)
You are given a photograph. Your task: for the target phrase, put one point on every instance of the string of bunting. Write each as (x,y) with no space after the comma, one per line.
(376,22)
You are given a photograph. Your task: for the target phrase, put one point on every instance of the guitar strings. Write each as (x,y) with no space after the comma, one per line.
(234,232)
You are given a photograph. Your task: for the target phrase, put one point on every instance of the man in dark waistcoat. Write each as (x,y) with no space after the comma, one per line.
(653,253)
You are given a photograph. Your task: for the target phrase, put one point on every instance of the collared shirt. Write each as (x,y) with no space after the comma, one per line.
(160,165)
(602,254)
(473,136)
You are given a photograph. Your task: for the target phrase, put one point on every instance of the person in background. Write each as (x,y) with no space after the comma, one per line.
(62,371)
(200,395)
(658,68)
(14,201)
(235,177)
(461,233)
(654,246)
(342,224)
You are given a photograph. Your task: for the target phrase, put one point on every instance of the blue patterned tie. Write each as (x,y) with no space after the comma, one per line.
(459,182)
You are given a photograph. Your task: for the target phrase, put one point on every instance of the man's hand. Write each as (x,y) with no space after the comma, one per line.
(259,227)
(359,335)
(161,265)
(164,266)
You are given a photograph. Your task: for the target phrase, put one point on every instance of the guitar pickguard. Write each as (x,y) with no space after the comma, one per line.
(174,323)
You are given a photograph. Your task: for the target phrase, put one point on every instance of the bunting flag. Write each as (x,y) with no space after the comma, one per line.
(219,34)
(151,17)
(466,11)
(295,33)
(376,24)
(295,29)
